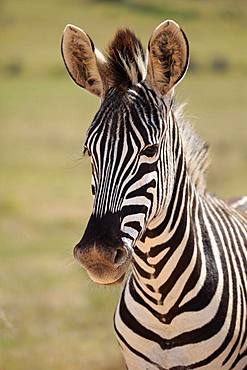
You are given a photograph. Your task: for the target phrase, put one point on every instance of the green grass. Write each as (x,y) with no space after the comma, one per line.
(51,316)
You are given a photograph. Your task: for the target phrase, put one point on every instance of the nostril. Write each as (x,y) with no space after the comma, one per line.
(120,256)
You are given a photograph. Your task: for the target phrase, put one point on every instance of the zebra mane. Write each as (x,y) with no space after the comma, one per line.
(196,150)
(125,60)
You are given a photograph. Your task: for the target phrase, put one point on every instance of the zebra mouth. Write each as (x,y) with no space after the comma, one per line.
(103,275)
(119,281)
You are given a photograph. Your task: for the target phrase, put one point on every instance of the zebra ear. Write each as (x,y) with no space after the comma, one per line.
(82,60)
(168,57)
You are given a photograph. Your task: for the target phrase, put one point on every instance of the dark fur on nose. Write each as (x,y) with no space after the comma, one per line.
(101,242)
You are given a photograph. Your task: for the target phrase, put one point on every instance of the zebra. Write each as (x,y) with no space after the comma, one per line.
(183,250)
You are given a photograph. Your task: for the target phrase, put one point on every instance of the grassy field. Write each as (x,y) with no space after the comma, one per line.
(51,316)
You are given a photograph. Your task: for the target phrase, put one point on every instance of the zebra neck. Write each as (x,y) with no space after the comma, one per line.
(166,256)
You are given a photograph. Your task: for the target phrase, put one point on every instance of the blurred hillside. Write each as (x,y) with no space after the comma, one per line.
(51,316)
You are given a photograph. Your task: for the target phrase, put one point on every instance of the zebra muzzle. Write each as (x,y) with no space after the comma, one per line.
(104,264)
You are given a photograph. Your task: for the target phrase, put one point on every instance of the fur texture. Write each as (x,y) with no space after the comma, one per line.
(80,59)
(196,150)
(168,56)
(125,60)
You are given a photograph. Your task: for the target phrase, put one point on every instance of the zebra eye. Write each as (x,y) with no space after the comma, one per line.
(150,150)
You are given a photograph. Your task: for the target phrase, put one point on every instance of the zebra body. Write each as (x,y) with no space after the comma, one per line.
(188,321)
(184,303)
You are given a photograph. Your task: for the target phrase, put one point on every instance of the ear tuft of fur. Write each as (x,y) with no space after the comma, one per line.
(168,56)
(78,53)
(125,60)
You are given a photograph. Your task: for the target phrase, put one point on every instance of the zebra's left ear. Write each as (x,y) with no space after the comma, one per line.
(168,57)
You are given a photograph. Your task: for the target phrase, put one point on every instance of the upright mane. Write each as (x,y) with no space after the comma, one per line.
(196,150)
(125,60)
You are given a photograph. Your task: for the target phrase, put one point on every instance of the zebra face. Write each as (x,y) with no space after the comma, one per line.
(129,141)
(126,144)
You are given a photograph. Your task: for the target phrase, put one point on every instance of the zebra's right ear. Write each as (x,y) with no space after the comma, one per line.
(168,57)
(82,60)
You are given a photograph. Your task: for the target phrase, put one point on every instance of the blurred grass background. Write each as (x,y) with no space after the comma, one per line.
(51,316)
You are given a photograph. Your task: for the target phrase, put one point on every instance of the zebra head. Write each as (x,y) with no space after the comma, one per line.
(130,141)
